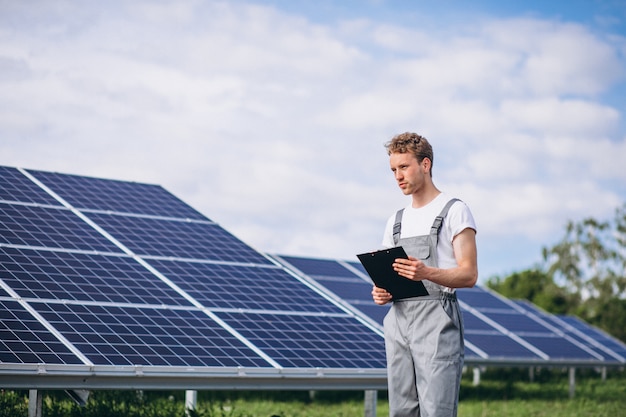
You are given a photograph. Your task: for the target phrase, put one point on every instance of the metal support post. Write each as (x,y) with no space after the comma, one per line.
(34,403)
(370,403)
(476,380)
(191,400)
(572,381)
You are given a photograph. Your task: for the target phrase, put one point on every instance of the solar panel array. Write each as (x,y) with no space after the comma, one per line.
(107,273)
(496,329)
(113,273)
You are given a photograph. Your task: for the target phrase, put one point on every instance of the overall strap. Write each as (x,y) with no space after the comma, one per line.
(397,226)
(434,229)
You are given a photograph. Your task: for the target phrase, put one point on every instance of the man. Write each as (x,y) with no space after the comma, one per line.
(424,335)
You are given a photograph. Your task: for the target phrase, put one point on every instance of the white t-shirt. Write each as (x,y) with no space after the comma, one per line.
(418,221)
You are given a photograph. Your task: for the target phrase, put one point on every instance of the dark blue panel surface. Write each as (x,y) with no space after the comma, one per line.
(492,341)
(499,346)
(117,196)
(472,322)
(479,298)
(323,267)
(243,287)
(311,341)
(558,348)
(49,227)
(23,339)
(179,239)
(517,323)
(15,186)
(84,277)
(575,334)
(358,266)
(148,336)
(598,335)
(373,311)
(531,328)
(348,288)
(341,282)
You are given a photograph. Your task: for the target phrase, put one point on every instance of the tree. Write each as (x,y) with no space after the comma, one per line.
(590,262)
(535,286)
(582,274)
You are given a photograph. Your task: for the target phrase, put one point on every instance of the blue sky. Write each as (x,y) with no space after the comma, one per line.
(270,116)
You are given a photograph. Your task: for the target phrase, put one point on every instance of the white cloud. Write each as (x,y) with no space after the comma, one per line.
(273,125)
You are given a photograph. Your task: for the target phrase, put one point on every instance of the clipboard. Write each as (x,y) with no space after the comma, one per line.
(378,265)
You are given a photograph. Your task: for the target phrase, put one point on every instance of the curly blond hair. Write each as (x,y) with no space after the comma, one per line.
(409,142)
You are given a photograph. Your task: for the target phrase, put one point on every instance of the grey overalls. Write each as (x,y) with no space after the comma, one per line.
(424,339)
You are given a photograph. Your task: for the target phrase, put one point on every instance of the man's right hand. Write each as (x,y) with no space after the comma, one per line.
(380,296)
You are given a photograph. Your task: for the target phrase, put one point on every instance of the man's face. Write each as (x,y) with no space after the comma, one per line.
(409,174)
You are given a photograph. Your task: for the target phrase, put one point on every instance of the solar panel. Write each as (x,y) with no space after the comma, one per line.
(525,328)
(615,346)
(126,274)
(115,274)
(494,327)
(349,282)
(592,338)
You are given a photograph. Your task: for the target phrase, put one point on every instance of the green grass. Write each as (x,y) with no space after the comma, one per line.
(501,393)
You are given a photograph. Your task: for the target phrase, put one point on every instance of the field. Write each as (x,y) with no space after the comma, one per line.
(500,393)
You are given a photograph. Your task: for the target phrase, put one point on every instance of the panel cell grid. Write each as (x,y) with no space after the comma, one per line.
(311,341)
(178,239)
(83,277)
(15,186)
(23,339)
(148,336)
(117,196)
(50,228)
(243,287)
(341,282)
